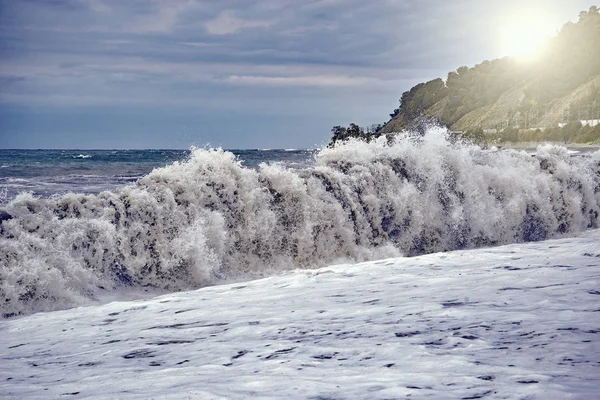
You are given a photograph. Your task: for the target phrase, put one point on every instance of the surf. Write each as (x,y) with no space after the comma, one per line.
(210,219)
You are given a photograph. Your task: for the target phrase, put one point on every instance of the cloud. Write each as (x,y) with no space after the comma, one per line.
(333,60)
(97,5)
(160,19)
(316,80)
(227,23)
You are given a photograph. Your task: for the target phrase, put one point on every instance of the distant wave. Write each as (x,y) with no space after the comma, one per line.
(210,219)
(83,156)
(16,180)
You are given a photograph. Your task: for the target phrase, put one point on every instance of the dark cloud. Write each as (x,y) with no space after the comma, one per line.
(250,63)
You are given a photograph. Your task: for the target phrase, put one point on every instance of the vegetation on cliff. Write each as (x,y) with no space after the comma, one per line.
(507,100)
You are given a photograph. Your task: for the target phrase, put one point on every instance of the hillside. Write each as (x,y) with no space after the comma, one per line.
(562,87)
(556,97)
(497,116)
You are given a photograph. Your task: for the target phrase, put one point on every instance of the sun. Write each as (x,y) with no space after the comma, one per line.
(523,34)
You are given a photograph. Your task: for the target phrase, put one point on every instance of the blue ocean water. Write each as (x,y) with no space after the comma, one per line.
(45,173)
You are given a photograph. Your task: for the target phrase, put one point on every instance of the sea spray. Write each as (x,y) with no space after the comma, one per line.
(210,219)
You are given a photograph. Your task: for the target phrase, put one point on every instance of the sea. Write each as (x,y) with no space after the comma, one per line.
(80,227)
(47,173)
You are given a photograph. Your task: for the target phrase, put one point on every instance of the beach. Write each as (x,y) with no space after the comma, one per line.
(512,322)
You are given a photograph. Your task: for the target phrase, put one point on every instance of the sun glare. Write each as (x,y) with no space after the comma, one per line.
(523,35)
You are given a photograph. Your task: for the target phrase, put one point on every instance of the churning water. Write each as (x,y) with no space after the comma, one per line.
(210,217)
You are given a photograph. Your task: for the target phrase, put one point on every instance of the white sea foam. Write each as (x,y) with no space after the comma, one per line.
(511,322)
(210,219)
(17,180)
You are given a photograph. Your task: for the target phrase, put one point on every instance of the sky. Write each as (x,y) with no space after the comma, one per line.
(96,74)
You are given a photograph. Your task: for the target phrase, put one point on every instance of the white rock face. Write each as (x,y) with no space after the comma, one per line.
(520,321)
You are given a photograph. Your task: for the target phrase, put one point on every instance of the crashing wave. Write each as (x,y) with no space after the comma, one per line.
(210,219)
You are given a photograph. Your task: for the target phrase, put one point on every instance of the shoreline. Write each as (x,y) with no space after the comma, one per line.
(517,320)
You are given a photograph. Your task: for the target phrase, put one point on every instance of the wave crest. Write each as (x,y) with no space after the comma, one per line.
(210,219)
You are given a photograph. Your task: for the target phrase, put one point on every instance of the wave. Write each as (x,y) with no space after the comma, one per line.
(210,219)
(83,156)
(15,180)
